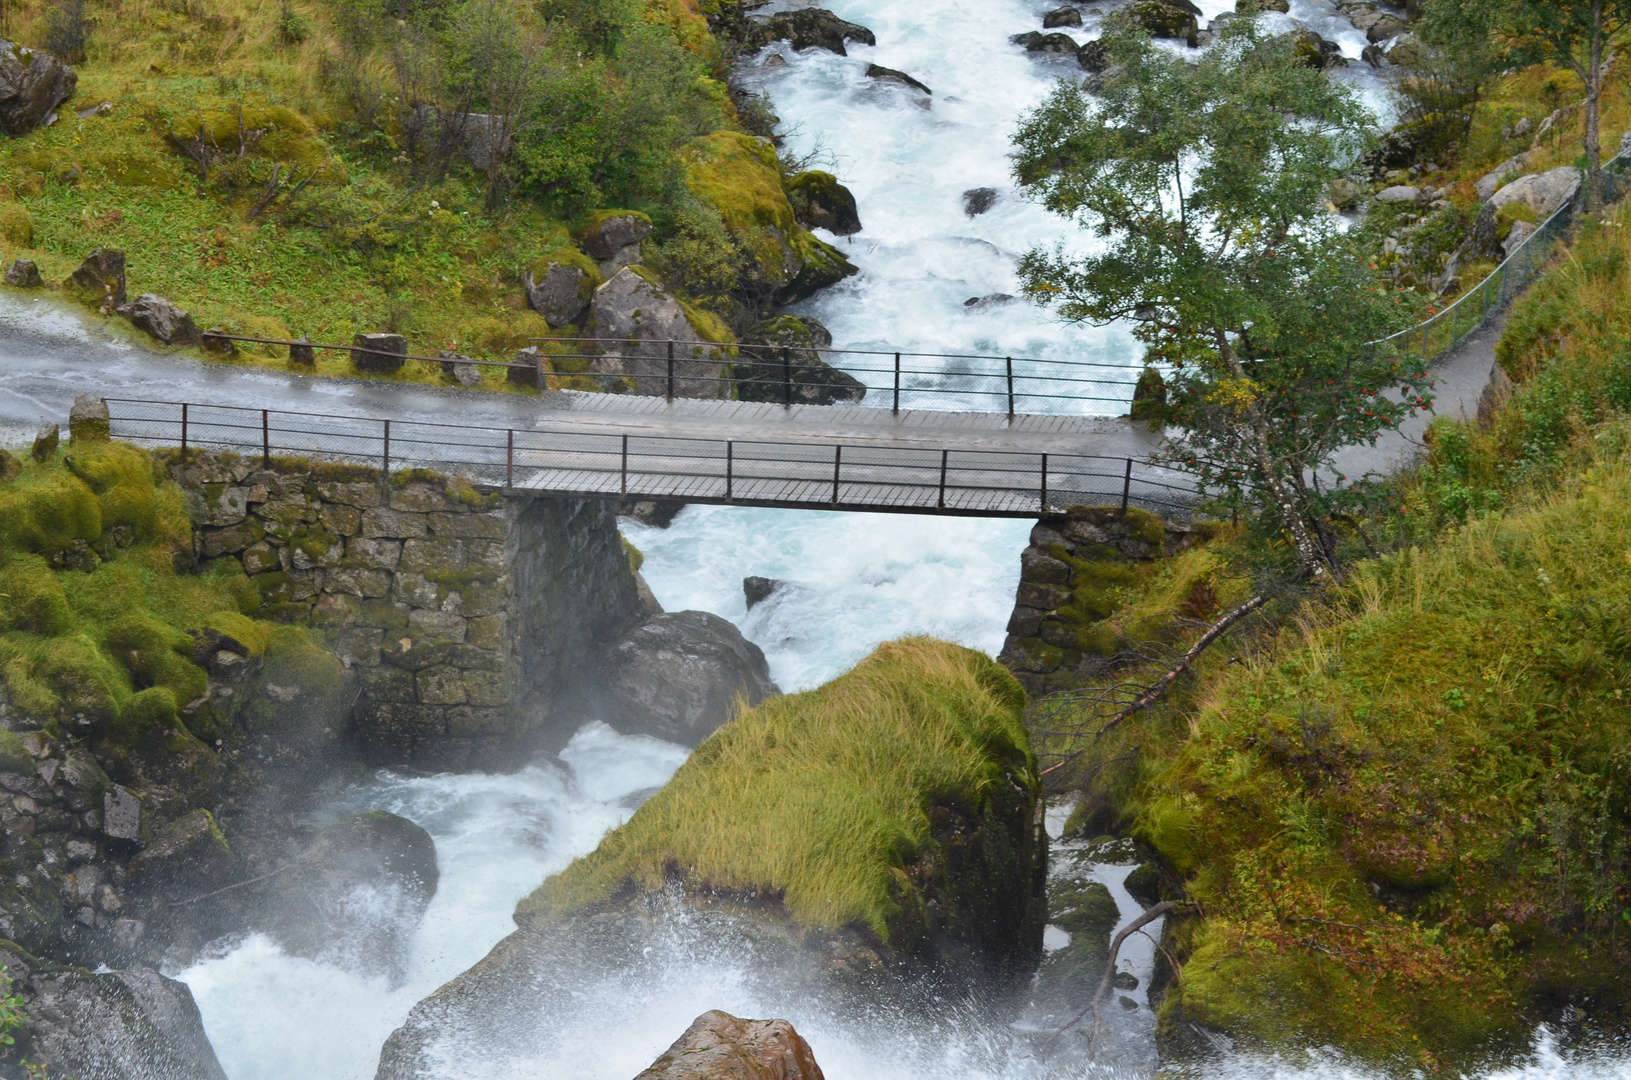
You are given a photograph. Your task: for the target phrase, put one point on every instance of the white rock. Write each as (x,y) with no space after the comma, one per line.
(1491,180)
(1544,193)
(1399,193)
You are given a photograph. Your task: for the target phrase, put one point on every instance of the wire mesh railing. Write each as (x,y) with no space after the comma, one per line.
(1439,334)
(541,461)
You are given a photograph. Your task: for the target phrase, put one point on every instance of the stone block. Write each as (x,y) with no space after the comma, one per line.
(442,685)
(385,684)
(296,586)
(1044,569)
(1031,594)
(421,496)
(468,722)
(384,614)
(431,554)
(1059,634)
(357,581)
(344,520)
(379,354)
(1024,622)
(315,547)
(470,658)
(229,507)
(475,599)
(487,554)
(415,589)
(487,632)
(372,553)
(361,495)
(334,609)
(261,557)
(413,720)
(217,542)
(486,525)
(124,817)
(416,653)
(440,625)
(384,522)
(286,512)
(486,688)
(357,646)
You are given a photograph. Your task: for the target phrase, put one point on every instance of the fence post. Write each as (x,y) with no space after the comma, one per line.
(837,460)
(944,455)
(787,381)
(1455,322)
(730,470)
(266,441)
(1424,340)
(509,458)
(897,384)
(1010,360)
(385,454)
(1042,505)
(671,370)
(1126,486)
(184,433)
(623,469)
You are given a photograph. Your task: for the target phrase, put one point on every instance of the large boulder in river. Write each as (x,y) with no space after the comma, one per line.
(739,176)
(815,28)
(356,894)
(679,676)
(780,360)
(819,201)
(642,319)
(1054,44)
(111,1025)
(1316,52)
(1176,19)
(32,84)
(719,1046)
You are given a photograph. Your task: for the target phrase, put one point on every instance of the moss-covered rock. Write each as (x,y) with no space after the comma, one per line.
(819,201)
(892,808)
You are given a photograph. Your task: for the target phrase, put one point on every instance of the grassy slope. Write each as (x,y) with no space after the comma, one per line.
(1404,812)
(84,644)
(824,797)
(423,260)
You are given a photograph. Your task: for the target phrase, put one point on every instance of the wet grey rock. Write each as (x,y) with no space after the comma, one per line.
(615,243)
(379,354)
(1399,193)
(189,854)
(821,202)
(1093,57)
(1545,193)
(101,278)
(458,367)
(45,443)
(1065,16)
(560,297)
(630,309)
(356,894)
(977,201)
(32,84)
(301,354)
(1316,51)
(122,815)
(678,676)
(756,590)
(780,360)
(814,28)
(1052,44)
(659,515)
(115,1026)
(23,274)
(980,303)
(161,319)
(1493,179)
(878,71)
(1377,25)
(1252,7)
(1177,20)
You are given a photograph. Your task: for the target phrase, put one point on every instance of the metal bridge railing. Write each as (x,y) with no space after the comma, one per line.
(816,475)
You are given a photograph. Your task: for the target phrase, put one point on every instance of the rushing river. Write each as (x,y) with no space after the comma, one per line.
(852,580)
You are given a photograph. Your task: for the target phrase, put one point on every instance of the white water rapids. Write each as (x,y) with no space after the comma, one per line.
(853,579)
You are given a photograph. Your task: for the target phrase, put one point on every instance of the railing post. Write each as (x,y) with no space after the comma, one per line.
(184,433)
(670,370)
(623,469)
(1042,504)
(1126,486)
(1010,360)
(385,454)
(266,441)
(1455,322)
(509,458)
(730,494)
(1424,340)
(837,460)
(787,381)
(944,455)
(897,384)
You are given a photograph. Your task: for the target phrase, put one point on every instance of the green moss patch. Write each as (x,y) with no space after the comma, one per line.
(828,799)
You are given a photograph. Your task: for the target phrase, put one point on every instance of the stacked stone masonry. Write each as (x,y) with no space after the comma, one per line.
(424,588)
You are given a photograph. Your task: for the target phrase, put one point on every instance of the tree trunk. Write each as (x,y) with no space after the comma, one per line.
(1594,89)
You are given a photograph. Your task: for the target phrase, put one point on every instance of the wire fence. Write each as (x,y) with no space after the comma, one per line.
(1446,329)
(540,461)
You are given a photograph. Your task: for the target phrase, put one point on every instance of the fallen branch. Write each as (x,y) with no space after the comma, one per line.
(1161,685)
(1165,907)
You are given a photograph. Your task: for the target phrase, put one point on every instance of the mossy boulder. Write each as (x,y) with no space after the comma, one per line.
(781,360)
(560,285)
(892,808)
(1162,20)
(819,201)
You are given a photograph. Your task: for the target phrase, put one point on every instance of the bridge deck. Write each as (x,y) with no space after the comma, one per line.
(744,453)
